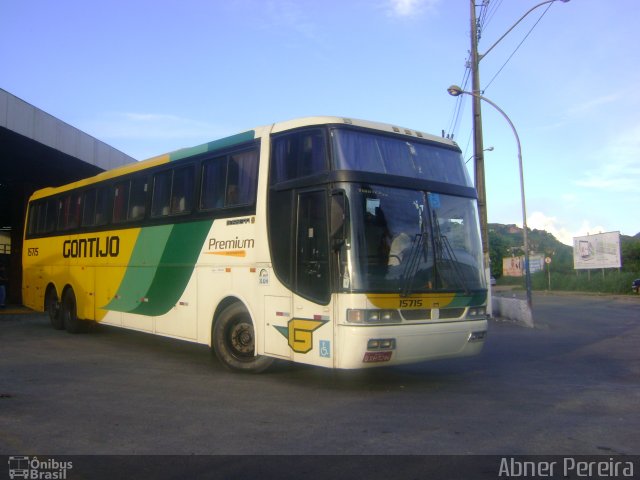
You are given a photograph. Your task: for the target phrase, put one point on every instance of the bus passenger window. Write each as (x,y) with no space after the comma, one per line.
(51,217)
(63,212)
(242,178)
(75,211)
(89,207)
(120,201)
(230,181)
(298,155)
(161,194)
(182,191)
(214,176)
(137,199)
(35,211)
(102,206)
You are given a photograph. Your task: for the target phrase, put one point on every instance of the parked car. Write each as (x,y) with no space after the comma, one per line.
(492,280)
(635,286)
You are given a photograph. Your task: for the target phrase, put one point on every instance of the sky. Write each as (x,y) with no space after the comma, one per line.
(149,77)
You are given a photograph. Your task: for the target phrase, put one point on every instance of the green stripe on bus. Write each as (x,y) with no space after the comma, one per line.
(213,146)
(161,264)
(181,252)
(145,258)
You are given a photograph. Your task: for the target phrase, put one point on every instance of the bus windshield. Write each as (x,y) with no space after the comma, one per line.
(408,241)
(369,152)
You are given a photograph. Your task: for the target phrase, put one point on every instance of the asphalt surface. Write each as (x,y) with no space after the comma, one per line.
(569,386)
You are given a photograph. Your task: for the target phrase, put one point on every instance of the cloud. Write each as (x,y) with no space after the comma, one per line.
(558,228)
(287,15)
(618,167)
(585,107)
(410,8)
(142,135)
(150,126)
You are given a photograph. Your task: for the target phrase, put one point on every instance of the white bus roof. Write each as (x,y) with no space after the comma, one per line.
(385,127)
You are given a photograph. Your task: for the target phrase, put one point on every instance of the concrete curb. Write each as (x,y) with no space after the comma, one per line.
(514,309)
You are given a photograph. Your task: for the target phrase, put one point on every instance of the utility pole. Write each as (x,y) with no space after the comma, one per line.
(478,147)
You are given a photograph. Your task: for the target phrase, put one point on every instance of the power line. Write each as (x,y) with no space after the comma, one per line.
(459,105)
(491,12)
(517,48)
(458,108)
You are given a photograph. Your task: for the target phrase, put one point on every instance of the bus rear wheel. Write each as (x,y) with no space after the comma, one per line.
(69,313)
(233,341)
(53,308)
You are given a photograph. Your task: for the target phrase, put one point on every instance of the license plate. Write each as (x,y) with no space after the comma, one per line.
(370,357)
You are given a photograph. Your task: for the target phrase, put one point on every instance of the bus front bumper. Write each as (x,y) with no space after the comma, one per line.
(374,346)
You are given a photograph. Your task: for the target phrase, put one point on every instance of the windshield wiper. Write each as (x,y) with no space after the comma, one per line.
(411,265)
(413,261)
(442,251)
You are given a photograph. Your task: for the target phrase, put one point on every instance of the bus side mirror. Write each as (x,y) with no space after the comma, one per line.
(339,219)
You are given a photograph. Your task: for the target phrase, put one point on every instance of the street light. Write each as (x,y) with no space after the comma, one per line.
(476,114)
(489,149)
(455,90)
(482,55)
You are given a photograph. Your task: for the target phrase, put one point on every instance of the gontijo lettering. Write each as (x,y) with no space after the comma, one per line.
(91,247)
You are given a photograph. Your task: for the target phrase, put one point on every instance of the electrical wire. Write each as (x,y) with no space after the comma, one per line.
(487,12)
(516,49)
(459,105)
(493,8)
(458,108)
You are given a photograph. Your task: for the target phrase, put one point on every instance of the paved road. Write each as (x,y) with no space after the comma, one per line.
(569,386)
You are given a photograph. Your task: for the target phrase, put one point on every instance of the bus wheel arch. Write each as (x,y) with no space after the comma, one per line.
(52,307)
(233,339)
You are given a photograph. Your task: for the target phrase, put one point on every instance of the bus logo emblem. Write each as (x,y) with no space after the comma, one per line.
(299,333)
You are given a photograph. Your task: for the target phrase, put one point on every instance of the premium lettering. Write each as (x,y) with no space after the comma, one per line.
(235,244)
(91,247)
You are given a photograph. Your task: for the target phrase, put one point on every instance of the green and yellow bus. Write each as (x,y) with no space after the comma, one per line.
(328,241)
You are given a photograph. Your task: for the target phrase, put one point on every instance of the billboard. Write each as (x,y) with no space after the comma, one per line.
(597,251)
(514,266)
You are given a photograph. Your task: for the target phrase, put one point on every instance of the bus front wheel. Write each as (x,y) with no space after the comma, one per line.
(233,341)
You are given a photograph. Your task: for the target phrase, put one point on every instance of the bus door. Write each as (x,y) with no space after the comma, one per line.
(311,328)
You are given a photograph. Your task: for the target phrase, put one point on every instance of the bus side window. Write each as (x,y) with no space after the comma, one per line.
(214,177)
(35,212)
(50,218)
(89,207)
(102,206)
(120,201)
(241,178)
(137,199)
(161,194)
(75,211)
(298,155)
(63,212)
(182,191)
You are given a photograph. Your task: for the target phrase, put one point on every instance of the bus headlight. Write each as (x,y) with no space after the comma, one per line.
(474,312)
(367,317)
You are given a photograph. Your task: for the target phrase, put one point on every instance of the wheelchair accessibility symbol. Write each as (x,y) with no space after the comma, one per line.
(325,348)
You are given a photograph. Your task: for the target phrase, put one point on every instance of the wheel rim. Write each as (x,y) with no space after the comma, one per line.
(241,340)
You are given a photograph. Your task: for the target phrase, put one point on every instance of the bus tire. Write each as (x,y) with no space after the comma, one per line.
(69,312)
(52,307)
(233,341)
